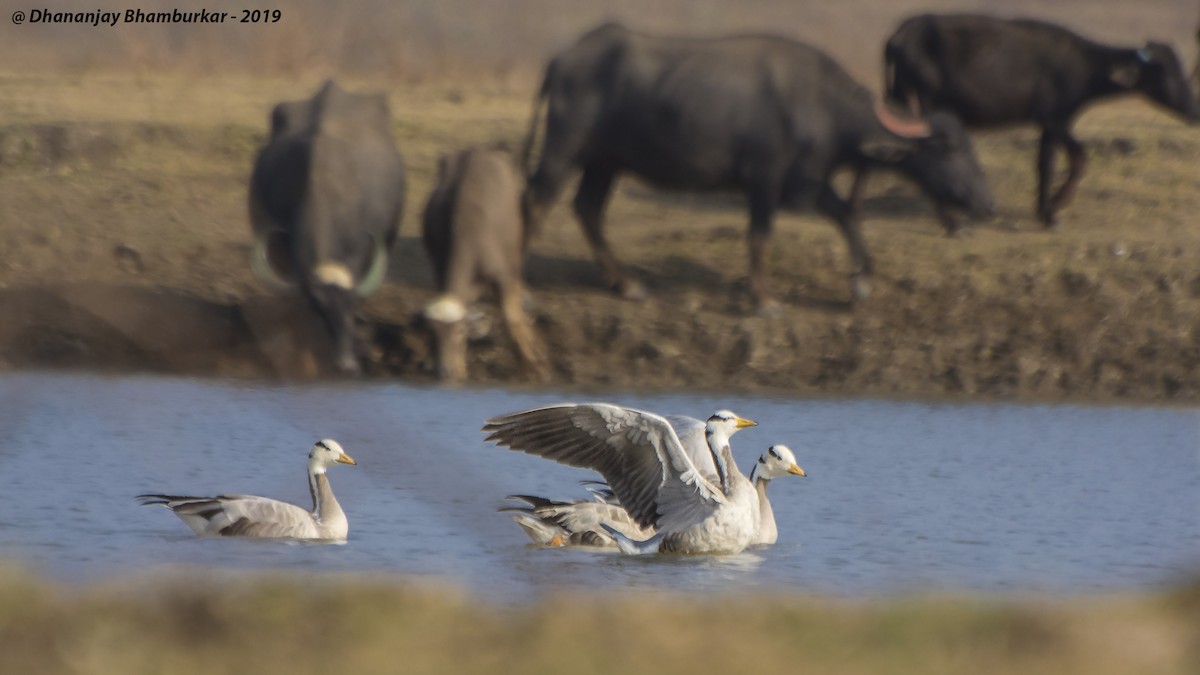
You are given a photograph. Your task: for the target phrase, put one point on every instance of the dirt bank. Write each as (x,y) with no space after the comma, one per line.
(123,245)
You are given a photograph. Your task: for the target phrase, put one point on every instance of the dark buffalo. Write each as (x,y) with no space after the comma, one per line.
(326,199)
(766,115)
(994,72)
(1196,67)
(474,234)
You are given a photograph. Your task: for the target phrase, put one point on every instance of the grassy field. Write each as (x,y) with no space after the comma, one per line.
(302,625)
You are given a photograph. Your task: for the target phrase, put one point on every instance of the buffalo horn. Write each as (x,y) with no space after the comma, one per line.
(903,127)
(260,263)
(373,279)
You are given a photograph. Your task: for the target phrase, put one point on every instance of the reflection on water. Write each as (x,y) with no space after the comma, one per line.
(902,497)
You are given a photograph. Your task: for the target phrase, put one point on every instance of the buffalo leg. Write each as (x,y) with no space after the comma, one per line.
(857,188)
(860,261)
(447,319)
(1045,167)
(539,195)
(762,215)
(590,202)
(1077,161)
(949,220)
(520,327)
(452,349)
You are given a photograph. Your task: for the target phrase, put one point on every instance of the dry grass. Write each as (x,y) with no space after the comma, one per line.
(414,40)
(294,625)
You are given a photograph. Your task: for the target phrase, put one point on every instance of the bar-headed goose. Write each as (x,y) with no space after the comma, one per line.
(676,475)
(578,523)
(778,461)
(250,516)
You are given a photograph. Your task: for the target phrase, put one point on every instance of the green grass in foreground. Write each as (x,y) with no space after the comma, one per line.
(291,624)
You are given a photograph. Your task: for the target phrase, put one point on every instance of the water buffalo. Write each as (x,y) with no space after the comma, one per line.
(766,115)
(1196,68)
(326,198)
(474,234)
(994,72)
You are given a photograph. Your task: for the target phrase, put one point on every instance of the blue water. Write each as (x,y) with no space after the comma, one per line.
(901,497)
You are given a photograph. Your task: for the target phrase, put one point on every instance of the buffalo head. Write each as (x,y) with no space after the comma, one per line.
(447,316)
(331,288)
(937,153)
(1156,71)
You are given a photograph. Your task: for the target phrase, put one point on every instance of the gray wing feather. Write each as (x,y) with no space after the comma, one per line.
(587,516)
(691,437)
(637,452)
(263,517)
(577,522)
(239,515)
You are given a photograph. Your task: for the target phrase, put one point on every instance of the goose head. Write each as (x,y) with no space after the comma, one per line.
(717,430)
(776,462)
(723,424)
(326,453)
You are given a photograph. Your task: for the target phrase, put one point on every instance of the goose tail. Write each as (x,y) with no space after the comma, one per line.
(539,531)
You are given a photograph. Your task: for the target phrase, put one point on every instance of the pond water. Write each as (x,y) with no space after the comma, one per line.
(901,497)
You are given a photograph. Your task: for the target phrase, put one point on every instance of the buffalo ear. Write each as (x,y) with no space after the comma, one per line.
(886,149)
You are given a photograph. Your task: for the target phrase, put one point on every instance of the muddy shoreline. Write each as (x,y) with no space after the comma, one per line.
(124,247)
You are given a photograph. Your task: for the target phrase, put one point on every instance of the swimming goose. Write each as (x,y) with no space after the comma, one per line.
(250,516)
(578,523)
(674,474)
(776,462)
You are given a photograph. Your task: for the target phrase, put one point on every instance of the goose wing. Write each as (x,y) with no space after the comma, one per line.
(238,515)
(637,452)
(573,523)
(691,437)
(586,516)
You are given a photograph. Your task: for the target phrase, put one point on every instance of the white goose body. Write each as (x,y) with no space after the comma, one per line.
(676,475)
(252,516)
(578,523)
(729,529)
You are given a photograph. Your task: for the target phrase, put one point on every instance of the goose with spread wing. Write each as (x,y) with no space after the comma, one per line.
(578,523)
(676,475)
(250,516)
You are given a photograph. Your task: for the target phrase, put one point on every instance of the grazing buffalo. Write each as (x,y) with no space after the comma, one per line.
(474,234)
(766,115)
(1196,67)
(995,72)
(326,199)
